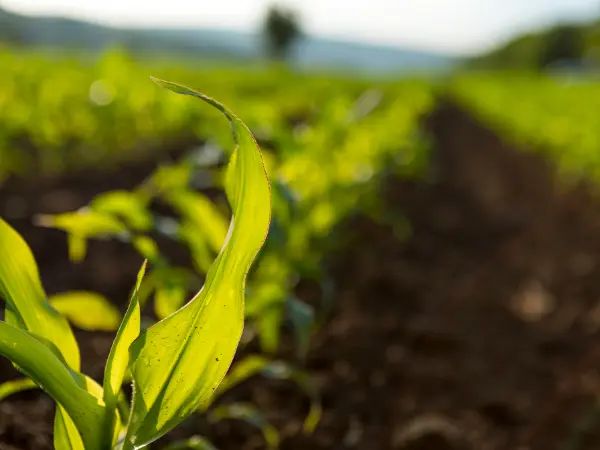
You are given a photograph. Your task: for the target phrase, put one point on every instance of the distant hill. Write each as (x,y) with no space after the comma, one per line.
(311,52)
(563,45)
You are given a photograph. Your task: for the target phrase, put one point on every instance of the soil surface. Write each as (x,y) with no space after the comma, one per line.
(478,331)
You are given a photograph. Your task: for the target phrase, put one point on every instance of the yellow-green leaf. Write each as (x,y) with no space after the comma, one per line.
(87,310)
(81,225)
(48,371)
(14,386)
(66,435)
(168,299)
(118,358)
(146,247)
(84,222)
(179,362)
(131,207)
(204,215)
(27,306)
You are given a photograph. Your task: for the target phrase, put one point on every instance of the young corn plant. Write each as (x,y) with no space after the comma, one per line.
(201,227)
(175,365)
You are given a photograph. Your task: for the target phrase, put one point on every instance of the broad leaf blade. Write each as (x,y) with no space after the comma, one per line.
(178,362)
(27,306)
(38,362)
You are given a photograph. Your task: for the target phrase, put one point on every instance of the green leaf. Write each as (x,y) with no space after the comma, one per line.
(302,317)
(66,435)
(118,358)
(241,371)
(50,355)
(198,245)
(84,222)
(193,443)
(204,215)
(282,371)
(49,372)
(128,206)
(268,323)
(27,306)
(168,299)
(170,286)
(87,310)
(146,247)
(259,365)
(15,386)
(267,299)
(169,178)
(179,362)
(81,225)
(77,246)
(249,414)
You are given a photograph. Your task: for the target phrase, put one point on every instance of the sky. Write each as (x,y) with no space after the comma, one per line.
(459,27)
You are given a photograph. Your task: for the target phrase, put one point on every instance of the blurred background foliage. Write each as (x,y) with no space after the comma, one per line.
(336,121)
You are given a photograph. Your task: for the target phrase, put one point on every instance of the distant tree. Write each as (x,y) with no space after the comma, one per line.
(281,29)
(563,43)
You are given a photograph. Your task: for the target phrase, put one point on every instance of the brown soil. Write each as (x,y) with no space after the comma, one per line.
(479,331)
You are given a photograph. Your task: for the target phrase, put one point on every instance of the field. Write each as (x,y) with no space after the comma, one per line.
(430,278)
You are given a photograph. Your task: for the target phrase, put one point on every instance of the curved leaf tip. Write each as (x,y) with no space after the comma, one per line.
(178,363)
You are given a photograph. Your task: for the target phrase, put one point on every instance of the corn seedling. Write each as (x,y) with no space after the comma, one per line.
(175,365)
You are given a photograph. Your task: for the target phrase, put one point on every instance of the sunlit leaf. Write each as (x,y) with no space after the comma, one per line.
(169,285)
(77,246)
(246,368)
(146,247)
(84,222)
(168,299)
(48,371)
(178,363)
(87,310)
(82,225)
(27,306)
(198,245)
(127,206)
(268,323)
(15,386)
(267,298)
(118,358)
(204,215)
(66,435)
(168,178)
